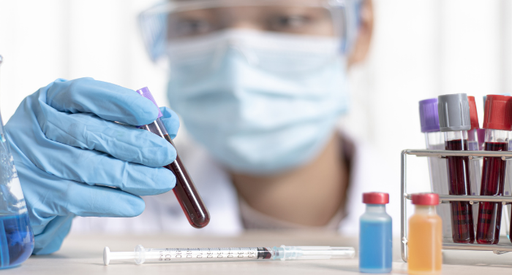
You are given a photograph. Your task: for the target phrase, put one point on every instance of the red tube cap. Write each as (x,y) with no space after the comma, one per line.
(497,112)
(473,115)
(425,199)
(376,198)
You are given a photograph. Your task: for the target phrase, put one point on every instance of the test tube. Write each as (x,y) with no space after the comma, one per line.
(497,126)
(434,140)
(475,143)
(185,191)
(454,120)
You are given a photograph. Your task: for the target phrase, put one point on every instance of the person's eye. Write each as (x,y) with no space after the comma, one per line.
(289,23)
(192,27)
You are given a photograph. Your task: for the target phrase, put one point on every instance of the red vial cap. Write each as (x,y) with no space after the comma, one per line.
(376,198)
(425,199)
(472,113)
(497,112)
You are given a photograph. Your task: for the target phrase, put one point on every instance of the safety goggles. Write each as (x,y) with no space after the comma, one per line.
(176,21)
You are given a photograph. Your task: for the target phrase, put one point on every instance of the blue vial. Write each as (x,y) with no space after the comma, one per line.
(375,235)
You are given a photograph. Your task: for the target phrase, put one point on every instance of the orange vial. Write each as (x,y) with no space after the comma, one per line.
(425,236)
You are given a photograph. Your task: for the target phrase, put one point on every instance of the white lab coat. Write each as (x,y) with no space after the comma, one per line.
(164,215)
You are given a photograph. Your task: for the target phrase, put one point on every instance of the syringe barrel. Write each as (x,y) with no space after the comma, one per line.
(312,252)
(207,254)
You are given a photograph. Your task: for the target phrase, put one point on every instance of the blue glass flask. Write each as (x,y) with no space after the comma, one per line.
(16,237)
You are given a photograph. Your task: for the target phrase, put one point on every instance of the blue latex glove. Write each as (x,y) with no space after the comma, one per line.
(67,150)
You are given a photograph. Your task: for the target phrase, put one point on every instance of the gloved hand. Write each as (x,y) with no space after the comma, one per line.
(69,153)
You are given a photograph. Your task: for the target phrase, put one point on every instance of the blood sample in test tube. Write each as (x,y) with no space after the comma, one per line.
(454,120)
(185,191)
(497,127)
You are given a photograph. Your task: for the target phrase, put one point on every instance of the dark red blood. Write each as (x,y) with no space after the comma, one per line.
(462,212)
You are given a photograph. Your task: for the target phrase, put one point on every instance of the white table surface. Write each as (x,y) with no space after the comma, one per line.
(83,254)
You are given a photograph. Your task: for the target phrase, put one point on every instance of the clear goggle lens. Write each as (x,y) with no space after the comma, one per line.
(281,19)
(175,21)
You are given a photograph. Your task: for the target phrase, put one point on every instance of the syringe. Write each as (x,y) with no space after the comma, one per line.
(169,255)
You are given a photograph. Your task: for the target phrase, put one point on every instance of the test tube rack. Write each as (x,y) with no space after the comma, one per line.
(500,248)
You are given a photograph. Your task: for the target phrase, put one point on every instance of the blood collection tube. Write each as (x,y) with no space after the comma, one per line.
(425,240)
(508,174)
(497,127)
(438,167)
(185,191)
(474,144)
(454,120)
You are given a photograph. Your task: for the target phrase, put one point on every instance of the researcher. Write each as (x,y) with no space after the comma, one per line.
(259,86)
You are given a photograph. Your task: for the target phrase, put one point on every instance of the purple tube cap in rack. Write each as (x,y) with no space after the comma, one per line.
(147,94)
(429,117)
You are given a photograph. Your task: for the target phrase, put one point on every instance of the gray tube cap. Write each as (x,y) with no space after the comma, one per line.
(453,113)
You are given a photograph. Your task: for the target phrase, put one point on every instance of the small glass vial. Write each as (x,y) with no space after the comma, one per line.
(425,238)
(375,239)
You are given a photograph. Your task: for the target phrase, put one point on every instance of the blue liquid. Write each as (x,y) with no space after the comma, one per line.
(16,240)
(375,246)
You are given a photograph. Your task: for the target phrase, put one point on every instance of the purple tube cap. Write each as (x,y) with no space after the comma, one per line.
(147,94)
(429,117)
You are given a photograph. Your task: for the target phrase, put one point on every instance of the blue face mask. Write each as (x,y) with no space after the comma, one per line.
(259,102)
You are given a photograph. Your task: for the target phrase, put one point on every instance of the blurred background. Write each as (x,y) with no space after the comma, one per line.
(421,49)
